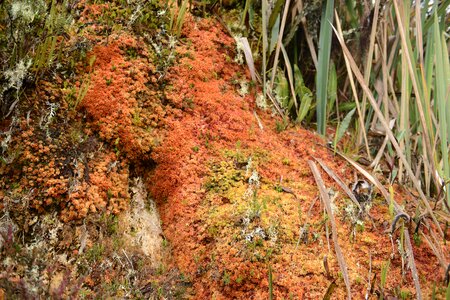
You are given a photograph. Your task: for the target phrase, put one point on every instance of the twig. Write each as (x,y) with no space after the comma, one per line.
(327,268)
(129,261)
(258,120)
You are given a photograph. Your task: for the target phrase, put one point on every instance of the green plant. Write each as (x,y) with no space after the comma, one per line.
(323,65)
(95,253)
(281,125)
(29,32)
(384,272)
(177,15)
(226,279)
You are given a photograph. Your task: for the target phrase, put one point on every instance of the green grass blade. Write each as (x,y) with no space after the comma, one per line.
(342,127)
(305,104)
(244,14)
(180,17)
(275,13)
(323,65)
(265,44)
(441,12)
(332,87)
(441,99)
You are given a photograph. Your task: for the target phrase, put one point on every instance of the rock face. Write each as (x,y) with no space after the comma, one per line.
(141,225)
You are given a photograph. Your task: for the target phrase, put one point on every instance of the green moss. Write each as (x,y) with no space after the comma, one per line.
(213,230)
(223,176)
(95,253)
(226,279)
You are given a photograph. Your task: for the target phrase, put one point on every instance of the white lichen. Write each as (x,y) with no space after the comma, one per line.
(24,10)
(239,50)
(261,101)
(244,90)
(16,76)
(254,179)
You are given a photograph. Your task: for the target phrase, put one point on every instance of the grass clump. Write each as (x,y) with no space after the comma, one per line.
(29,32)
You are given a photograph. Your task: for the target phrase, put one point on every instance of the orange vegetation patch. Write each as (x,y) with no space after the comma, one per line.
(221,183)
(118,100)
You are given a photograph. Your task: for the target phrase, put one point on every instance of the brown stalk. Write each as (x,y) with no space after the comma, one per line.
(412,264)
(326,200)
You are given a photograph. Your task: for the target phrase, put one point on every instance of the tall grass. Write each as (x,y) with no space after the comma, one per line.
(387,82)
(401,46)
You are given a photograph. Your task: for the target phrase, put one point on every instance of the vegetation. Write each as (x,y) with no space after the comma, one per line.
(156,149)
(400,91)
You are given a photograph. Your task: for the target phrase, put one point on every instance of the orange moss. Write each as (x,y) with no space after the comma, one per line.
(118,100)
(105,190)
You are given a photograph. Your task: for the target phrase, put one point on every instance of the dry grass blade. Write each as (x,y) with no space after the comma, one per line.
(368,68)
(339,182)
(435,250)
(290,75)
(412,264)
(415,85)
(279,43)
(264,43)
(337,248)
(248,57)
(355,96)
(258,120)
(342,185)
(308,37)
(385,124)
